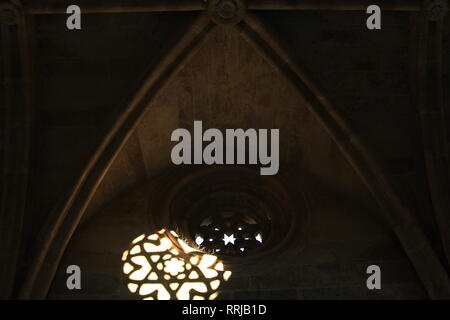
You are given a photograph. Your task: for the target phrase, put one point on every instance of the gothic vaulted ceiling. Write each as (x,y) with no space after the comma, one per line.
(362,118)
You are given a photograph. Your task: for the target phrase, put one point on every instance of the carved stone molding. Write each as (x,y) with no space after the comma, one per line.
(227,12)
(436,9)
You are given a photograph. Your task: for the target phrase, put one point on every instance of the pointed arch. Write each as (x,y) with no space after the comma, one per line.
(62,223)
(397,214)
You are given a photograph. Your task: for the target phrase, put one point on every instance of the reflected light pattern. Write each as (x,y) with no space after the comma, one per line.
(162,266)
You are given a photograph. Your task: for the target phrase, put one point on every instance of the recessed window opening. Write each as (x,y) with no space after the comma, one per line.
(229,233)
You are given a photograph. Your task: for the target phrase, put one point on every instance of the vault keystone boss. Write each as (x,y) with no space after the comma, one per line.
(235,140)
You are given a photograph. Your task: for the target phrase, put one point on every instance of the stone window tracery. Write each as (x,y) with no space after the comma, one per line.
(229,233)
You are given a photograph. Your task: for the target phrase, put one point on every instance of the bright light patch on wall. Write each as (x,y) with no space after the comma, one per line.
(162,266)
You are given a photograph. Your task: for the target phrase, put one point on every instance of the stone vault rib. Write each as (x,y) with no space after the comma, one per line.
(398,215)
(62,223)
